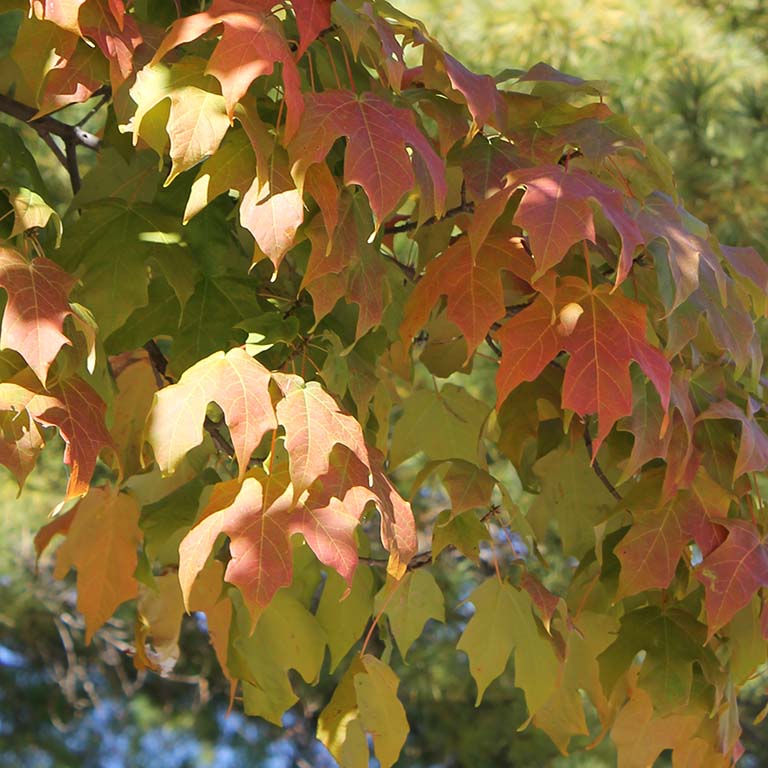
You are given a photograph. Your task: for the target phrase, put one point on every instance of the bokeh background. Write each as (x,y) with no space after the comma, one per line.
(691,76)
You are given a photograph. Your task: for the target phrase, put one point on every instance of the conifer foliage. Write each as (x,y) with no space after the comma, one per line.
(298,220)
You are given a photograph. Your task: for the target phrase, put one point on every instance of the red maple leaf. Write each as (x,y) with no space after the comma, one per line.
(733,572)
(37,306)
(603,332)
(252,42)
(75,409)
(555,210)
(376,157)
(471,284)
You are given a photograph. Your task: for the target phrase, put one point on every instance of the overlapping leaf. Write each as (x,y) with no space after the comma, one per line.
(376,157)
(556,213)
(471,284)
(252,42)
(102,545)
(78,413)
(238,383)
(196,115)
(33,320)
(733,572)
(603,332)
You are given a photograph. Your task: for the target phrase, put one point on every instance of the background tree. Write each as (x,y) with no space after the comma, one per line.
(384,195)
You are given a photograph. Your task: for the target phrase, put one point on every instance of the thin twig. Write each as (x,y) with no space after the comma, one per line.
(417,561)
(106,94)
(407,270)
(596,468)
(409,226)
(47,127)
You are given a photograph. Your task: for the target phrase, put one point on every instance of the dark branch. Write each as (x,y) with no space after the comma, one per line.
(47,127)
(409,226)
(596,468)
(417,561)
(407,270)
(489,340)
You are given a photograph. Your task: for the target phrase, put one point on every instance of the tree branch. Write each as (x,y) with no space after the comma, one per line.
(596,468)
(409,226)
(47,127)
(48,124)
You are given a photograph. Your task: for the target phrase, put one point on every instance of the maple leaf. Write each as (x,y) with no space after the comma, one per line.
(753,446)
(732,573)
(197,118)
(136,386)
(529,341)
(75,409)
(562,716)
(408,605)
(238,383)
(101,544)
(206,596)
(117,35)
(33,320)
(272,212)
(555,212)
(231,167)
(608,333)
(376,157)
(343,612)
(471,284)
(456,423)
(20,444)
(252,42)
(63,13)
(503,623)
(261,515)
(650,552)
(365,698)
(313,424)
(72,80)
(573,496)
(312,18)
(660,218)
(641,736)
(673,642)
(398,527)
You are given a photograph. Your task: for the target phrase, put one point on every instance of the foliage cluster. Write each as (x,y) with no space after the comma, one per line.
(306,228)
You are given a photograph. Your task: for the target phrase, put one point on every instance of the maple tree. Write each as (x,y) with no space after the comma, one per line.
(304,229)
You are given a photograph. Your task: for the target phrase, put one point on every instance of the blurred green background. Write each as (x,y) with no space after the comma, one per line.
(691,77)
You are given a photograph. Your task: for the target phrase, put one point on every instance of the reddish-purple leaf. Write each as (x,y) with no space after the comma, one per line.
(732,573)
(312,17)
(555,210)
(376,157)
